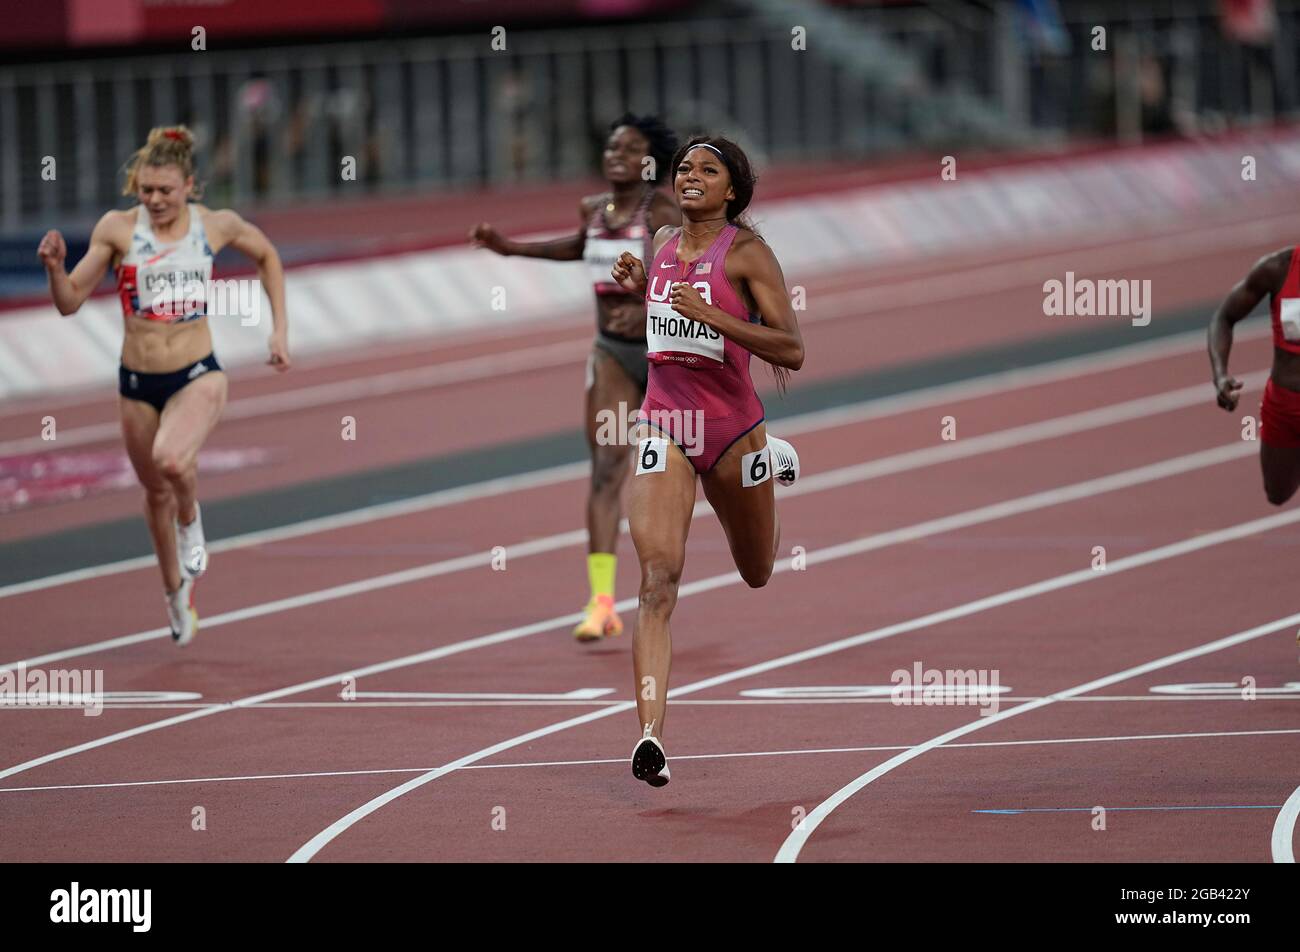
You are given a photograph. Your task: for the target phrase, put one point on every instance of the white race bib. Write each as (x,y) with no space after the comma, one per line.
(667,332)
(601,253)
(173,288)
(1290,313)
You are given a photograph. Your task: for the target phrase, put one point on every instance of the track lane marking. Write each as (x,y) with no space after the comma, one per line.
(999,440)
(876,408)
(794,843)
(1282,842)
(310,775)
(1126,479)
(1233,533)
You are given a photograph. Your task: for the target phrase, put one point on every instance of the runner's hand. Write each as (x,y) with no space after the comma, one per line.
(1228,392)
(629,273)
(484,235)
(279,347)
(53,250)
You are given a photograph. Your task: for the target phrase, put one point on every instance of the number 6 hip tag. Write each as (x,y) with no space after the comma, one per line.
(652,455)
(755,468)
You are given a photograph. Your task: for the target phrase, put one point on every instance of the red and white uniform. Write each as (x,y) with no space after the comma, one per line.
(165,281)
(1279,412)
(605,244)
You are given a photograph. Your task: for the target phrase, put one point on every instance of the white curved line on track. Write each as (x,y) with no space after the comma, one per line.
(1012,437)
(316,774)
(1124,480)
(794,843)
(313,846)
(1282,843)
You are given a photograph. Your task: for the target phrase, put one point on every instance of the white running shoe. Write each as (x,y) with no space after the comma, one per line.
(191,547)
(649,762)
(785,461)
(180,612)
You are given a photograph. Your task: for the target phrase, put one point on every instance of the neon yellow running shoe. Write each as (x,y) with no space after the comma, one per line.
(601,620)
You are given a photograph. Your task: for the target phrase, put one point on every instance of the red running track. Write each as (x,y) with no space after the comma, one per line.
(897,525)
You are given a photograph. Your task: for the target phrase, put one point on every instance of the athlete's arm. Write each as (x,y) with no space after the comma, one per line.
(70,291)
(777,339)
(569,248)
(1266,277)
(230,229)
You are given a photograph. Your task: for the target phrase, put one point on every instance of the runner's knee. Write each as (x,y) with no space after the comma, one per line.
(608,466)
(170,463)
(156,494)
(659,580)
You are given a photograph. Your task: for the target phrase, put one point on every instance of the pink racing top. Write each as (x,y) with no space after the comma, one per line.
(692,366)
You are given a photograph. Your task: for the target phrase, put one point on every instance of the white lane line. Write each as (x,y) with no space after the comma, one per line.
(798,752)
(579,694)
(874,296)
(850,414)
(543,701)
(1243,530)
(1282,842)
(387,510)
(354,388)
(1123,480)
(1140,408)
(789,851)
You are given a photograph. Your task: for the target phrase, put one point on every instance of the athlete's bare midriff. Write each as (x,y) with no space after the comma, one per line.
(151,347)
(621,316)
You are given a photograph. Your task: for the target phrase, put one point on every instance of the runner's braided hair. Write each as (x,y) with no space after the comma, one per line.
(663,141)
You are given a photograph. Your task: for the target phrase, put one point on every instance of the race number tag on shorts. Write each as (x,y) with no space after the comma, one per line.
(667,332)
(1290,315)
(755,468)
(651,455)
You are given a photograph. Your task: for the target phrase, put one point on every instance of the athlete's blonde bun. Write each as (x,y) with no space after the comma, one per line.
(166,145)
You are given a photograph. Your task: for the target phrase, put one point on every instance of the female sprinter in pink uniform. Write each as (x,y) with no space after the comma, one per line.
(623,219)
(172,388)
(714,296)
(1277,275)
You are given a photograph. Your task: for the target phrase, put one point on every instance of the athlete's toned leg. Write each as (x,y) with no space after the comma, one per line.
(747,513)
(611,396)
(139,430)
(187,419)
(1281,469)
(659,511)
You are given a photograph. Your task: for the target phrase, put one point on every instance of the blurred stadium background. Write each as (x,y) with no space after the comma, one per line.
(416,94)
(847,106)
